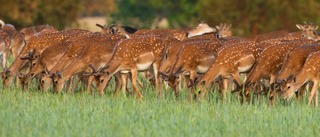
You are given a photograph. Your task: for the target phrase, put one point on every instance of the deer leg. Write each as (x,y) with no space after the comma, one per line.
(117,81)
(134,73)
(299,94)
(124,84)
(89,82)
(192,77)
(225,89)
(187,77)
(156,76)
(77,80)
(4,58)
(69,83)
(314,89)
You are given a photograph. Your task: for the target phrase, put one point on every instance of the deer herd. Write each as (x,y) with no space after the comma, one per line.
(275,65)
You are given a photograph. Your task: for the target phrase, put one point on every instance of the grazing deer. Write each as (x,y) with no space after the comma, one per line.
(5,42)
(16,42)
(72,52)
(230,61)
(192,58)
(308,73)
(39,43)
(97,54)
(293,62)
(47,59)
(133,55)
(30,31)
(267,66)
(224,30)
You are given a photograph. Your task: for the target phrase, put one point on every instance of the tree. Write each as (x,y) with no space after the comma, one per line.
(255,16)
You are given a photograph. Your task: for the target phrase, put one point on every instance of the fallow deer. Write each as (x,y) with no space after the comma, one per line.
(230,61)
(224,30)
(202,28)
(268,65)
(192,58)
(30,31)
(5,42)
(112,29)
(293,62)
(97,54)
(39,43)
(47,59)
(308,73)
(6,26)
(72,52)
(307,30)
(133,55)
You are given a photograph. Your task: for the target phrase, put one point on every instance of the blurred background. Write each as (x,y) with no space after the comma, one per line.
(248,17)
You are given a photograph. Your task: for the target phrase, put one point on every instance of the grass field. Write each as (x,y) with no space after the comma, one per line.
(33,113)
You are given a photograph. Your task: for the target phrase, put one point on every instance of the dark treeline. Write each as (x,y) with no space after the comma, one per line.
(246,16)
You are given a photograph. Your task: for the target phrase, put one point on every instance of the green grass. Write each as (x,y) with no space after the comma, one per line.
(33,113)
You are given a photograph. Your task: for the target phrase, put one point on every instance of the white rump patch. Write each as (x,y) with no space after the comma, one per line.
(144,66)
(201,69)
(245,69)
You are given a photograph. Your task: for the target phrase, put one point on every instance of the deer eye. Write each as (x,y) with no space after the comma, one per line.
(56,82)
(289,87)
(6,77)
(101,80)
(33,64)
(42,81)
(271,97)
(247,95)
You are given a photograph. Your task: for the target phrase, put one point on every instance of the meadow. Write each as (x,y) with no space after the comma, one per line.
(33,113)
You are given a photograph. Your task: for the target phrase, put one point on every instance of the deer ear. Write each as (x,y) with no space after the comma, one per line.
(229,26)
(290,78)
(299,26)
(294,79)
(315,27)
(218,27)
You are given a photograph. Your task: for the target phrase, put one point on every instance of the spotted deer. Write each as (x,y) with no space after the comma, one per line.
(192,58)
(39,43)
(16,43)
(293,62)
(267,66)
(202,28)
(5,42)
(230,61)
(6,26)
(307,30)
(72,52)
(308,73)
(133,55)
(224,30)
(30,31)
(97,54)
(47,59)
(112,29)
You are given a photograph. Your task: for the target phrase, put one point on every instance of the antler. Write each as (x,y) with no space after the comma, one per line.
(100,26)
(178,70)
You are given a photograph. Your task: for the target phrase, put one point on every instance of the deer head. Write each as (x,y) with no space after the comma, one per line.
(57,80)
(7,77)
(224,30)
(31,57)
(307,30)
(202,28)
